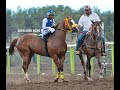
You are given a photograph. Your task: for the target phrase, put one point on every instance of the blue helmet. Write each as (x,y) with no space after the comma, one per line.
(50,12)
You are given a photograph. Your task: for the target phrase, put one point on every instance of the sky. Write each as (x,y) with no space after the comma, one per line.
(103,5)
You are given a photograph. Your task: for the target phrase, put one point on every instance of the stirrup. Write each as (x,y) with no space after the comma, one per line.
(40,35)
(103,54)
(78,53)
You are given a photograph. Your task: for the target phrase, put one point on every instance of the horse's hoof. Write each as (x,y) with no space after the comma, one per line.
(100,77)
(64,80)
(85,78)
(90,79)
(56,80)
(28,81)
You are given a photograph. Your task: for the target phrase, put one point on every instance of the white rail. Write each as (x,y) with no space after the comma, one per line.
(73,45)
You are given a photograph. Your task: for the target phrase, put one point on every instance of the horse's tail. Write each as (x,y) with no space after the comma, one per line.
(12,45)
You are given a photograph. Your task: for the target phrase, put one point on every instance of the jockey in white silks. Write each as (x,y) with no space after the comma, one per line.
(48,23)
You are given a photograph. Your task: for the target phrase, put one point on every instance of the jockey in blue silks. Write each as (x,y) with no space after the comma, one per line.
(48,23)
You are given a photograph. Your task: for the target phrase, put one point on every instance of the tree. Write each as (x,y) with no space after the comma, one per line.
(9,25)
(32,19)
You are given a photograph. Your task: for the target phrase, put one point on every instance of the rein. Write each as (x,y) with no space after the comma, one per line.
(67,26)
(87,44)
(91,35)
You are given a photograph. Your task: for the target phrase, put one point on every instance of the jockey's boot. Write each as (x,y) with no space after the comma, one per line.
(45,37)
(40,35)
(78,53)
(103,53)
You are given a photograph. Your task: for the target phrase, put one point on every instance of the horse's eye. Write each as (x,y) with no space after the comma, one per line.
(71,23)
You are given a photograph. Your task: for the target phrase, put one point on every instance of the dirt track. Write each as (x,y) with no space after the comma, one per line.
(45,82)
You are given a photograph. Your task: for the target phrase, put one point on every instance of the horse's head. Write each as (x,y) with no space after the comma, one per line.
(96,29)
(68,24)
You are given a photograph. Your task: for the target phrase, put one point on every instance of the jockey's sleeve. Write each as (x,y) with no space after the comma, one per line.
(90,29)
(53,22)
(44,22)
(80,22)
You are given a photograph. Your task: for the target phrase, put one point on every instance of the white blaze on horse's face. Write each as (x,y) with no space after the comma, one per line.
(98,30)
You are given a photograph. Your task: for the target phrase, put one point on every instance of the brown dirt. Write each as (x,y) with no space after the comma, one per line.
(45,82)
(15,80)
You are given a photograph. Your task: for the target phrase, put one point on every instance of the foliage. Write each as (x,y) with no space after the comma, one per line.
(32,19)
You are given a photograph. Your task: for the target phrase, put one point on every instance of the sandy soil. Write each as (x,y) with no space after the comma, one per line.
(45,82)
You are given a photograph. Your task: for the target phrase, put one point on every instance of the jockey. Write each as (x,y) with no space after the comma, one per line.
(48,23)
(85,22)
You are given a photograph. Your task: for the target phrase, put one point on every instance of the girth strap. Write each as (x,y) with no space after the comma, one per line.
(46,48)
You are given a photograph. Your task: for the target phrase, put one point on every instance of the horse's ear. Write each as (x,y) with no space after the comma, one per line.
(69,17)
(100,23)
(92,22)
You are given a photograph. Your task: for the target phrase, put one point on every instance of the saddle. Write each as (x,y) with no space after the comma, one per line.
(83,40)
(45,38)
(84,45)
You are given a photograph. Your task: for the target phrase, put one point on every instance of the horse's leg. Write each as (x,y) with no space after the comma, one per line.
(26,61)
(89,69)
(84,64)
(100,66)
(25,67)
(62,59)
(57,62)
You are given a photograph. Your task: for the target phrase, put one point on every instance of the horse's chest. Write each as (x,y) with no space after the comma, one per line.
(91,51)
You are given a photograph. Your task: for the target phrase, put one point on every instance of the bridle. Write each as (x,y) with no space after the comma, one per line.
(67,25)
(93,33)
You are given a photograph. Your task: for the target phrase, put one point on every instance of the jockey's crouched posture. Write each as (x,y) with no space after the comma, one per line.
(85,22)
(47,24)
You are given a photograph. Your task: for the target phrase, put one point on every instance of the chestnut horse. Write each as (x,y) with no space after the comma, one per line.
(91,47)
(29,44)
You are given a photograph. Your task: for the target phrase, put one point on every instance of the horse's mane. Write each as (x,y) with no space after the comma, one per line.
(90,39)
(94,25)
